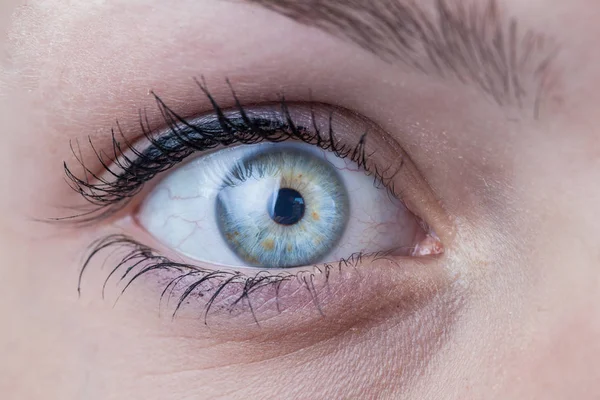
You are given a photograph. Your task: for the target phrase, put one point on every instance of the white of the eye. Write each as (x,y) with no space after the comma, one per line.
(180,211)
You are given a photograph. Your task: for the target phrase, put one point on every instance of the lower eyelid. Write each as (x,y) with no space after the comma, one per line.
(364,290)
(405,307)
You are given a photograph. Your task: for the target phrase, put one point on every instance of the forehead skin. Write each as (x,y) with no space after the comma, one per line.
(531,258)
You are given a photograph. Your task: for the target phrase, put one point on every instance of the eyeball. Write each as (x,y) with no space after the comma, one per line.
(282,208)
(276,205)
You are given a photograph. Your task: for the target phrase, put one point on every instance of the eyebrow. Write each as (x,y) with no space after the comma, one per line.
(475,44)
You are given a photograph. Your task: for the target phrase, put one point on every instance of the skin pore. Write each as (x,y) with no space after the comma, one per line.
(502,157)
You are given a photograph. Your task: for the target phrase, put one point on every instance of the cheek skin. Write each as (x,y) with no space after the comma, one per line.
(353,352)
(402,320)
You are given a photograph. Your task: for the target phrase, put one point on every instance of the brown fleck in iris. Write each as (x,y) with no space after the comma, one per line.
(315,216)
(268,244)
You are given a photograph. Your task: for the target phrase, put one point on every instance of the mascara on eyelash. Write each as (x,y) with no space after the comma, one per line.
(227,289)
(131,168)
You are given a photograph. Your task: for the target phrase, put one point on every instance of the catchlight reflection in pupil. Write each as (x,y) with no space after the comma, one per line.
(286,207)
(282,207)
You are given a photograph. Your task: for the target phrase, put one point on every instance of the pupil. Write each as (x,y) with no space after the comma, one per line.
(286,207)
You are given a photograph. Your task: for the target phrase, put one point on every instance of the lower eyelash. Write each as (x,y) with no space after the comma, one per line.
(139,260)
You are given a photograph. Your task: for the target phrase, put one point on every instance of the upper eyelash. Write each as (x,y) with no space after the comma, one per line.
(126,174)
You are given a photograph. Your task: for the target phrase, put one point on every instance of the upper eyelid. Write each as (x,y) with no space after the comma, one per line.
(390,168)
(129,167)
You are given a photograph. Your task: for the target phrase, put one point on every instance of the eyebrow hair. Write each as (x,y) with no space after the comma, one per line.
(474,43)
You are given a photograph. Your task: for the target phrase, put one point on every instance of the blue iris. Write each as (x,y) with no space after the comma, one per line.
(282,208)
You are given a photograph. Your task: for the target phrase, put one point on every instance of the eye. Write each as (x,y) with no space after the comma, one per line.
(262,207)
(276,205)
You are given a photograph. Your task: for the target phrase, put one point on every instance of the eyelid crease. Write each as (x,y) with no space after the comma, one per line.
(130,168)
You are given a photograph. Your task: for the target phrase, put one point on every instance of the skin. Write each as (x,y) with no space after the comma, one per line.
(509,311)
